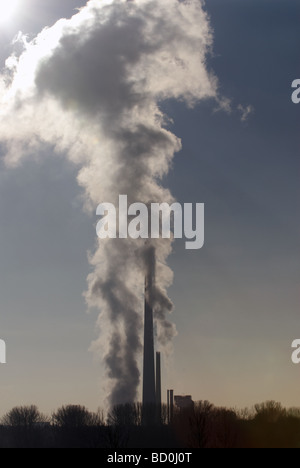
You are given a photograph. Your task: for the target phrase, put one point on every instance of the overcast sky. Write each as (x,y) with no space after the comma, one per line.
(236,300)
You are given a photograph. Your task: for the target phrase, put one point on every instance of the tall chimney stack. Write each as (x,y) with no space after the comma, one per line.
(171,406)
(158,387)
(149,397)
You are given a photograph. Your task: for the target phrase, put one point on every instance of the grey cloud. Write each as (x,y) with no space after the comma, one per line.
(91,71)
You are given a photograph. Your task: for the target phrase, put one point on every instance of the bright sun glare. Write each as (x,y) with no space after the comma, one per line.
(8,9)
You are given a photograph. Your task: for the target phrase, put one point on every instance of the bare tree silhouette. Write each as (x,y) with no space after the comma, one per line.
(25,424)
(200,420)
(75,416)
(266,425)
(270,411)
(24,416)
(75,426)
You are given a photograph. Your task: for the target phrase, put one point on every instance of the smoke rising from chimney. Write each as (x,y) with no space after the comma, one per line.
(90,88)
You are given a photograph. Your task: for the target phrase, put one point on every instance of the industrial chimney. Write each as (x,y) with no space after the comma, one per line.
(158,388)
(170,406)
(149,397)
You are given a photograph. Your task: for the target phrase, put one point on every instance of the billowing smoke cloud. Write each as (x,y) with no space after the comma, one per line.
(90,88)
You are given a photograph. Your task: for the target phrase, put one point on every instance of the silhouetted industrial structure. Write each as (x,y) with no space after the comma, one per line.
(184,402)
(152,396)
(149,397)
(158,387)
(170,407)
(151,377)
(149,387)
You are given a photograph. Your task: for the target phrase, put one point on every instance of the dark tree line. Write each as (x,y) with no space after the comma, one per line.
(203,426)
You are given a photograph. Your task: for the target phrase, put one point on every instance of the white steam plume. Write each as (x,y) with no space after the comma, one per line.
(90,87)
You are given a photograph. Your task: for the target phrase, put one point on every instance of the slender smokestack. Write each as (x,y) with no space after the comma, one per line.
(149,397)
(171,405)
(168,406)
(158,387)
